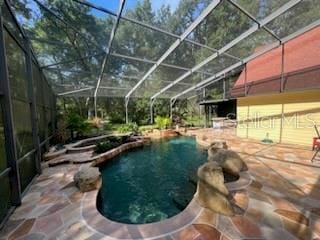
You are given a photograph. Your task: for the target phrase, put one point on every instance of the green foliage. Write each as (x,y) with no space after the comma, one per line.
(108,126)
(110,143)
(130,127)
(193,121)
(162,122)
(114,108)
(139,111)
(106,146)
(77,124)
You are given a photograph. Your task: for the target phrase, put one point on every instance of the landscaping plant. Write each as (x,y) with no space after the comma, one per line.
(77,125)
(97,122)
(130,127)
(110,143)
(105,146)
(162,122)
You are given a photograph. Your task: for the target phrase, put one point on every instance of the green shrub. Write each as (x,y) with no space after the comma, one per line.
(130,127)
(110,143)
(77,124)
(116,140)
(105,146)
(162,122)
(108,127)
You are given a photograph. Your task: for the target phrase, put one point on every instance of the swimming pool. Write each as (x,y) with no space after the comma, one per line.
(152,183)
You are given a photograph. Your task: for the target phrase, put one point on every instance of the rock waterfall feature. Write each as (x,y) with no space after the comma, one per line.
(212,192)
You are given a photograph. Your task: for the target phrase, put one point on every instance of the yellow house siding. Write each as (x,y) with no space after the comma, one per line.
(298,123)
(242,114)
(286,117)
(265,120)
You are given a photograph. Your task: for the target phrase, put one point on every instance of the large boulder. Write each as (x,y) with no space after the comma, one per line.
(211,191)
(213,200)
(212,174)
(215,146)
(88,179)
(230,161)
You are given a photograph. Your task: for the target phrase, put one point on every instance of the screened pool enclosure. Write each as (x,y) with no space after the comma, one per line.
(160,51)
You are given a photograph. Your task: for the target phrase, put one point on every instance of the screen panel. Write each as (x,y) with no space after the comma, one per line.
(221,26)
(261,9)
(19,95)
(172,16)
(304,13)
(188,55)
(254,43)
(137,41)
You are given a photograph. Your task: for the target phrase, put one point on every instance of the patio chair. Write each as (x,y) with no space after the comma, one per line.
(316,144)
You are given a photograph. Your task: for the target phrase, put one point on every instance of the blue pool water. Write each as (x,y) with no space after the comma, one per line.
(151,183)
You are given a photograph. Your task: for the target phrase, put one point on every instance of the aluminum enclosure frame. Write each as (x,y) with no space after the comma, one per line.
(193,25)
(259,25)
(105,59)
(214,79)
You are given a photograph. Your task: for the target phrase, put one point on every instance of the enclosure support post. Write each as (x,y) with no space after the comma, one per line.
(105,59)
(46,129)
(95,106)
(224,89)
(5,101)
(54,114)
(203,94)
(45,117)
(151,110)
(282,69)
(199,115)
(245,80)
(126,107)
(172,102)
(32,105)
(205,108)
(205,116)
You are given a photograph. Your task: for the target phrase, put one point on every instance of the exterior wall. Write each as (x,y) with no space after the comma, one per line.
(286,117)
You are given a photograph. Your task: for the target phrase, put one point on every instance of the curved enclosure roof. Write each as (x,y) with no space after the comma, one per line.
(155,49)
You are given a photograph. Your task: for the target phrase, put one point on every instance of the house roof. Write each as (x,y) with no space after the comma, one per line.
(300,54)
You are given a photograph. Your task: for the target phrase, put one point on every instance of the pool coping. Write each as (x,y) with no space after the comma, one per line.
(99,223)
(124,231)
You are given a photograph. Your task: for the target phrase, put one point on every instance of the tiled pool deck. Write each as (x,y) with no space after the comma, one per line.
(282,202)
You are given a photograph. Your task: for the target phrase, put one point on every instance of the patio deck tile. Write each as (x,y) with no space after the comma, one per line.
(10,226)
(300,231)
(207,232)
(282,203)
(23,229)
(226,226)
(77,230)
(33,236)
(188,233)
(207,217)
(276,233)
(48,224)
(247,227)
(293,216)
